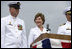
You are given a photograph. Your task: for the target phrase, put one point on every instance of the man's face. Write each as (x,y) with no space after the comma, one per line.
(68,16)
(14,12)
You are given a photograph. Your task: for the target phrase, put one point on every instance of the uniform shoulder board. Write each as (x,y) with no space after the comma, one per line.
(62,24)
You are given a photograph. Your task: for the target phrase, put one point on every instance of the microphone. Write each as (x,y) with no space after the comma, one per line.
(48,29)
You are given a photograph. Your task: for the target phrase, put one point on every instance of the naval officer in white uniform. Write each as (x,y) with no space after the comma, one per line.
(13,34)
(66,27)
(38,30)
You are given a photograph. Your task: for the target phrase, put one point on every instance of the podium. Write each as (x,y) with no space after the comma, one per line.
(53,36)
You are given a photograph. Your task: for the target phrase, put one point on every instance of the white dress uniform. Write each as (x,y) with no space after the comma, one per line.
(13,34)
(65,29)
(34,34)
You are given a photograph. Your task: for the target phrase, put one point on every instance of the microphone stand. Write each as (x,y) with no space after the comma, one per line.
(48,29)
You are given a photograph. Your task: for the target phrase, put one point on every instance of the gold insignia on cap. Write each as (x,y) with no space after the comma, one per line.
(69,12)
(18,3)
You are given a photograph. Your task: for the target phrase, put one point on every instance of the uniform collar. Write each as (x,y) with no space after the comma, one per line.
(68,22)
(14,18)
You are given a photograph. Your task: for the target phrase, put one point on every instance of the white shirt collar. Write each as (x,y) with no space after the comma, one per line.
(39,29)
(68,22)
(13,17)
